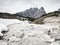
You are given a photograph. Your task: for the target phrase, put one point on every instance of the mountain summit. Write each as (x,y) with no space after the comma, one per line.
(32,12)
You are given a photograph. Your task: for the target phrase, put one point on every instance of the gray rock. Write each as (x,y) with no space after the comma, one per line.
(32,12)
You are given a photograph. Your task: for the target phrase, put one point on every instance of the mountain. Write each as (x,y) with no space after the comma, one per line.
(29,14)
(17,32)
(52,17)
(14,16)
(32,13)
(59,9)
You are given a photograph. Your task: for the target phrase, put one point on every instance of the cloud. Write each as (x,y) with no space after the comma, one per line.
(13,6)
(54,1)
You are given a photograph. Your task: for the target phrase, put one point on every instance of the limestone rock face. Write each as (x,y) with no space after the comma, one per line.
(32,12)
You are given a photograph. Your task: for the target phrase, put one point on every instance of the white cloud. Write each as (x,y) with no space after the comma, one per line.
(14,6)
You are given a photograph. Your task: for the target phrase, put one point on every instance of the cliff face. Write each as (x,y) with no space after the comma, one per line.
(32,12)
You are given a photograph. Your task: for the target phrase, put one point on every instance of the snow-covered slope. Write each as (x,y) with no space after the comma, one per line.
(24,33)
(8,21)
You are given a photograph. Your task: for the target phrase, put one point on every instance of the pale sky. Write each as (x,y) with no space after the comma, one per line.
(13,6)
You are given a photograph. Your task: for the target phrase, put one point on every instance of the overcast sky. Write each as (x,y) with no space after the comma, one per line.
(13,6)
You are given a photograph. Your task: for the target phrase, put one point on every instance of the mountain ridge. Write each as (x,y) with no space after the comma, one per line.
(32,13)
(51,14)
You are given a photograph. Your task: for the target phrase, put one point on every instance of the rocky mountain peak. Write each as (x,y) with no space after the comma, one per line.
(32,13)
(42,9)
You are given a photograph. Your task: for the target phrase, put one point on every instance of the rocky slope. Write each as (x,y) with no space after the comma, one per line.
(54,16)
(32,12)
(14,16)
(11,16)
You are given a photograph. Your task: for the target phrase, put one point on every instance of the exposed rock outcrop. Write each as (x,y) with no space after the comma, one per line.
(32,13)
